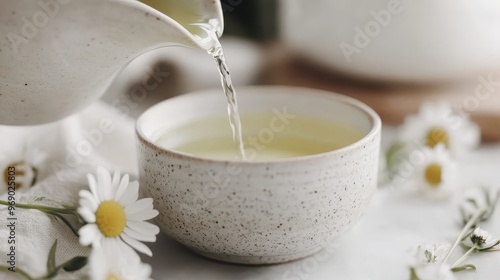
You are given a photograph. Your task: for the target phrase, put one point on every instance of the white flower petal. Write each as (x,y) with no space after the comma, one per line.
(428,253)
(89,234)
(128,265)
(139,271)
(123,247)
(138,236)
(144,272)
(130,195)
(93,187)
(90,200)
(480,234)
(104,184)
(440,149)
(124,183)
(143,227)
(140,205)
(98,264)
(462,134)
(116,180)
(472,135)
(137,245)
(86,214)
(144,215)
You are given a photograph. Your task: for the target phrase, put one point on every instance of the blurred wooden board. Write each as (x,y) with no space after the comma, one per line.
(394,102)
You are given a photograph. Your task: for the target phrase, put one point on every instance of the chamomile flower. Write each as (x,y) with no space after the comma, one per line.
(429,253)
(436,174)
(24,163)
(480,239)
(114,261)
(113,212)
(438,124)
(429,263)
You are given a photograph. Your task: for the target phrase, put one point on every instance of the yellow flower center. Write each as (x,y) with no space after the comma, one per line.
(19,172)
(433,174)
(113,276)
(437,135)
(110,218)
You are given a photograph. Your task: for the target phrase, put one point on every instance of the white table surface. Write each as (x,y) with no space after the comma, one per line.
(378,247)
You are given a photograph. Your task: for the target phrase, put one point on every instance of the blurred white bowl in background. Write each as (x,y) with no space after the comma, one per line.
(396,40)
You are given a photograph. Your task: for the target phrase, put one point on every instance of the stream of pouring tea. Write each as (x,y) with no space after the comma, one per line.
(227,85)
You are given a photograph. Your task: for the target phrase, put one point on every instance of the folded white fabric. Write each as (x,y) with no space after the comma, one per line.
(73,147)
(34,232)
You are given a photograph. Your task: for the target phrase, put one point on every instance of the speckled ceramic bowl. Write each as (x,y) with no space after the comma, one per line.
(259,212)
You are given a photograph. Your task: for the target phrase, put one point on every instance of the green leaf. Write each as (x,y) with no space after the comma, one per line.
(464,267)
(75,264)
(40,198)
(491,248)
(413,274)
(66,206)
(51,261)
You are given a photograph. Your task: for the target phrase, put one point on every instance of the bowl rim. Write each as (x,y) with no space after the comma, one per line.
(376,126)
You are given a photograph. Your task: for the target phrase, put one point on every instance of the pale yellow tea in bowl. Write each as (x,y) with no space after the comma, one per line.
(265,136)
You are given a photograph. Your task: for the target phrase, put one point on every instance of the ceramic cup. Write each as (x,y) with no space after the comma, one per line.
(263,211)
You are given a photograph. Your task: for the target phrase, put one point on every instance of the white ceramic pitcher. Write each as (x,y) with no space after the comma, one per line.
(58,56)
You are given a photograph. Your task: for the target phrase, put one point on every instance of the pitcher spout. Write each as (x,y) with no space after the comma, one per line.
(184,22)
(191,13)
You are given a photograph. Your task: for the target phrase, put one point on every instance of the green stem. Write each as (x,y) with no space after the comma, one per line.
(465,230)
(71,211)
(57,212)
(464,257)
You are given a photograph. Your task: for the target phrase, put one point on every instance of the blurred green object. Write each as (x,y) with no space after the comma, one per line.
(253,19)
